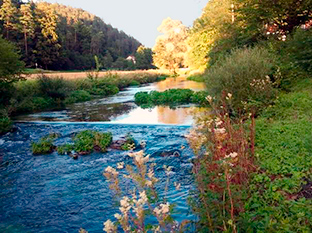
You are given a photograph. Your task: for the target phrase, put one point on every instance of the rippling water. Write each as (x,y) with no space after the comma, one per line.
(53,193)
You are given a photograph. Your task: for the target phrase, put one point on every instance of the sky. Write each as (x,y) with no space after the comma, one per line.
(140,18)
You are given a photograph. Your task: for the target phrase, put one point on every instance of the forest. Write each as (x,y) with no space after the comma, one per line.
(58,37)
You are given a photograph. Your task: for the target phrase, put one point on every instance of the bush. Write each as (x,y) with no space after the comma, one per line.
(43,146)
(65,149)
(244,74)
(88,140)
(5,123)
(56,88)
(171,97)
(78,96)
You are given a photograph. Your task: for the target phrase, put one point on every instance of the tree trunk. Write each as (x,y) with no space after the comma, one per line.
(7,34)
(25,40)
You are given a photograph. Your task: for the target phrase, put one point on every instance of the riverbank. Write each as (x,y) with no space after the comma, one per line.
(53,92)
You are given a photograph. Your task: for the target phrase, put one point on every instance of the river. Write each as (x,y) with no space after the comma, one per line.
(53,193)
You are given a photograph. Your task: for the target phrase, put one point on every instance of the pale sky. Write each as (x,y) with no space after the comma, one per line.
(140,18)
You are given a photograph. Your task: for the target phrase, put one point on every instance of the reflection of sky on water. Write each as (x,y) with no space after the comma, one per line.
(121,109)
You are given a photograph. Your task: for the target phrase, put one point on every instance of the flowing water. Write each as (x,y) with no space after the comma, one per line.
(53,193)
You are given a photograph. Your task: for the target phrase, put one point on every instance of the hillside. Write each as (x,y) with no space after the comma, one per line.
(59,37)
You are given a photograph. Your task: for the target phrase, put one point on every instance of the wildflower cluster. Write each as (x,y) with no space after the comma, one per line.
(143,200)
(222,166)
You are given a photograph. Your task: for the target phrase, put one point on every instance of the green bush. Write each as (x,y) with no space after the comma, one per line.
(80,96)
(129,143)
(88,140)
(65,149)
(84,141)
(43,146)
(134,83)
(56,88)
(103,140)
(244,74)
(5,123)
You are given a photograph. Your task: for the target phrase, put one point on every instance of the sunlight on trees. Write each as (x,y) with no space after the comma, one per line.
(170,48)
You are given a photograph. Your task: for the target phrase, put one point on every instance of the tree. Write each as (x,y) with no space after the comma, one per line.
(170,48)
(144,58)
(10,69)
(278,17)
(8,14)
(212,25)
(27,23)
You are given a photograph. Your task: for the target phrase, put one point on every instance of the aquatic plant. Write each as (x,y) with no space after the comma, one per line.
(86,141)
(43,146)
(129,143)
(65,149)
(171,97)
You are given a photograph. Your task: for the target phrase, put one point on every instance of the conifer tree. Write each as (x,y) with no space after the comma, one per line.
(27,24)
(8,14)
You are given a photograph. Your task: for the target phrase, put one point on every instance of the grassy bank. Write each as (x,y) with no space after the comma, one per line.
(281,191)
(49,93)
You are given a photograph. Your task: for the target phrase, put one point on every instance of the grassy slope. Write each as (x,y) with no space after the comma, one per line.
(284,151)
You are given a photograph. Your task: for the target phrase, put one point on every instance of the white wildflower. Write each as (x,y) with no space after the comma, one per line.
(109,226)
(112,171)
(120,165)
(118,216)
(209,98)
(221,130)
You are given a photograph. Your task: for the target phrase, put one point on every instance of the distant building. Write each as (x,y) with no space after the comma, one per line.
(131,58)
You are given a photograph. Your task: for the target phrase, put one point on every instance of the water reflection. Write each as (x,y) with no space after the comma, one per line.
(121,108)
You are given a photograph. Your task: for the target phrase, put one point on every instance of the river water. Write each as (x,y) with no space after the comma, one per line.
(53,193)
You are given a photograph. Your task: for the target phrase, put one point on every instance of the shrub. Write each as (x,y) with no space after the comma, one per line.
(84,141)
(56,88)
(5,122)
(134,83)
(80,96)
(65,149)
(43,146)
(103,140)
(88,140)
(129,144)
(245,74)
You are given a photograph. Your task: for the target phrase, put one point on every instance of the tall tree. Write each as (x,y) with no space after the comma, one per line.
(27,24)
(211,26)
(144,58)
(8,13)
(170,48)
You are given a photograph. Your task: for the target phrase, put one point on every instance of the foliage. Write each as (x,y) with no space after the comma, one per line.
(129,144)
(65,149)
(210,27)
(144,58)
(143,202)
(280,199)
(246,75)
(78,96)
(196,78)
(43,146)
(169,50)
(222,167)
(171,97)
(88,140)
(5,123)
(56,88)
(58,37)
(10,65)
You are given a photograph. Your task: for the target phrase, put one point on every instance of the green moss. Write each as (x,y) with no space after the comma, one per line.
(5,124)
